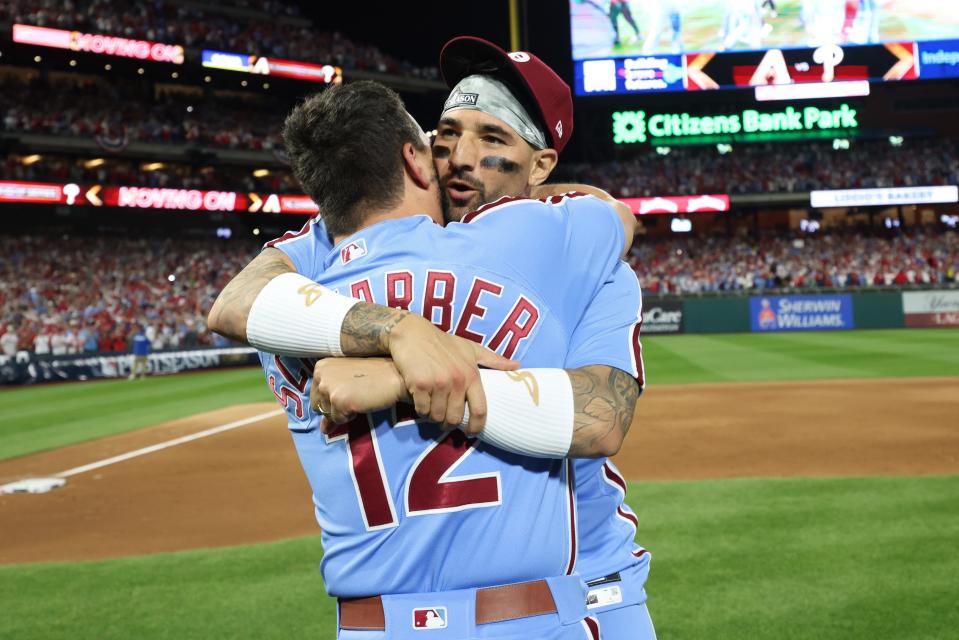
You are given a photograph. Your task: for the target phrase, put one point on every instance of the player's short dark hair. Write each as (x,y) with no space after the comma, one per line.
(345,147)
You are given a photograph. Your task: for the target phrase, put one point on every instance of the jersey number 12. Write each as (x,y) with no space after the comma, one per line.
(429,489)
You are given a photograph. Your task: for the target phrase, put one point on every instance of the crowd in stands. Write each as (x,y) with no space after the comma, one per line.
(696,265)
(187,24)
(123,172)
(65,295)
(767,168)
(91,108)
(95,293)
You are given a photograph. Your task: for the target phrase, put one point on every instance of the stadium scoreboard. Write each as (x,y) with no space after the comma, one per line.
(784,50)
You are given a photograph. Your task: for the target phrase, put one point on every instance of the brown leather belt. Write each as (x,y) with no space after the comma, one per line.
(493,604)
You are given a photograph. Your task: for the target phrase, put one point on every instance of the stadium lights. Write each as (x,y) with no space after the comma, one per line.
(175,75)
(261,173)
(256,231)
(31,158)
(108,66)
(207,78)
(896,141)
(141,71)
(96,162)
(37,58)
(243,83)
(73,63)
(153,166)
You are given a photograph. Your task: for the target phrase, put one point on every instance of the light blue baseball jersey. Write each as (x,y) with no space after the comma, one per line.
(608,334)
(403,506)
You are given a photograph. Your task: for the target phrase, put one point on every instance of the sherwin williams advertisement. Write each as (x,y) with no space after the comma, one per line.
(800,313)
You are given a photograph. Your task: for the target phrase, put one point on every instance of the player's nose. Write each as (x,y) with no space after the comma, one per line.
(463,156)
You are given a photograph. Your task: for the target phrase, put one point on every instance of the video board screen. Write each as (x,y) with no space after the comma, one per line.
(629,46)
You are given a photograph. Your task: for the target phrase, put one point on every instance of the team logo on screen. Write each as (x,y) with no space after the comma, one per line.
(430,618)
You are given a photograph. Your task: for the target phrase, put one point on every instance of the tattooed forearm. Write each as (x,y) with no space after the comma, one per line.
(366,329)
(231,309)
(603,400)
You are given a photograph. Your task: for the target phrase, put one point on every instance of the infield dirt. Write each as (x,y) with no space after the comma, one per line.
(246,486)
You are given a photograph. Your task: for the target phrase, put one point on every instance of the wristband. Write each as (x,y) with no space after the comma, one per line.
(529,411)
(294,316)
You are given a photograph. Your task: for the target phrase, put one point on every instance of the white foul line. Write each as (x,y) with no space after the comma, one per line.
(169,443)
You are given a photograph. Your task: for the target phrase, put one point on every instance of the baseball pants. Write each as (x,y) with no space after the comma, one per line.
(619,605)
(450,615)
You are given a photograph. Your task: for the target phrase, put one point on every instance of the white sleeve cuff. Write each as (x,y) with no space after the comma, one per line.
(529,411)
(294,316)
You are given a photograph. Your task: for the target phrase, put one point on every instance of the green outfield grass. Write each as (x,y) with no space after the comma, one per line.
(48,416)
(748,357)
(780,559)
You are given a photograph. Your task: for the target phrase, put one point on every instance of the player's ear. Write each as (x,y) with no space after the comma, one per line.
(418,164)
(544,161)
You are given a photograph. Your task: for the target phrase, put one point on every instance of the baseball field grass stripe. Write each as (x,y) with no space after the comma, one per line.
(160,446)
(50,416)
(747,357)
(777,559)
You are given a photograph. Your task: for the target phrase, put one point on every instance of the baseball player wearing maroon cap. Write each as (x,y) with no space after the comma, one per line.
(480,160)
(500,135)
(503,126)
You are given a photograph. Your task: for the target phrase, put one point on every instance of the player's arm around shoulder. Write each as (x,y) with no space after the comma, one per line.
(604,401)
(270,306)
(545,413)
(230,311)
(625,215)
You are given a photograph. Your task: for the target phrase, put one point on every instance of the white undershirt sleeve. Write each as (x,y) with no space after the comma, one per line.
(294,316)
(529,411)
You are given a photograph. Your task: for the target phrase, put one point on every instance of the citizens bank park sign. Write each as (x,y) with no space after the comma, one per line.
(631,127)
(153,198)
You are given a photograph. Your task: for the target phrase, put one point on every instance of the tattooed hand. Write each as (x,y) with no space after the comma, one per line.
(345,387)
(439,370)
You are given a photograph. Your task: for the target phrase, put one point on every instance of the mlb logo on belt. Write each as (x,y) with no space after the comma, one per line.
(430,618)
(352,251)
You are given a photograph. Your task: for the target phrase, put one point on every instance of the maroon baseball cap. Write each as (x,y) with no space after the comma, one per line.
(528,76)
